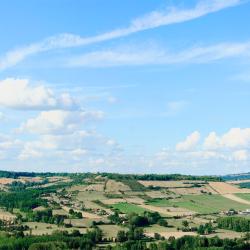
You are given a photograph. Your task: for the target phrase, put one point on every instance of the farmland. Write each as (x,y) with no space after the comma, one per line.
(203,204)
(244,196)
(115,206)
(127,208)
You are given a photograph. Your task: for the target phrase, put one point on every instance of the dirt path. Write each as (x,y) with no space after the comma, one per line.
(235,198)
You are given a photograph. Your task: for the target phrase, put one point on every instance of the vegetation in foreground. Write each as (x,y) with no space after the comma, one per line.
(113,211)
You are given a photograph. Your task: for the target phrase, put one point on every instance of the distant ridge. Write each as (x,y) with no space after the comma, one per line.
(241,176)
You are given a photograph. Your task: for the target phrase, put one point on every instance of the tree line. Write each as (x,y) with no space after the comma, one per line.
(238,224)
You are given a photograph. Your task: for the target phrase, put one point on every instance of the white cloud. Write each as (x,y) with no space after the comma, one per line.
(229,151)
(152,20)
(212,141)
(9,147)
(190,142)
(49,149)
(240,155)
(6,142)
(20,94)
(72,147)
(59,121)
(144,55)
(205,154)
(48,146)
(234,138)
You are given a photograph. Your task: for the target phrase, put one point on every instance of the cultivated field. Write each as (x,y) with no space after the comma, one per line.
(201,203)
(239,181)
(244,196)
(127,208)
(237,199)
(226,188)
(6,216)
(81,205)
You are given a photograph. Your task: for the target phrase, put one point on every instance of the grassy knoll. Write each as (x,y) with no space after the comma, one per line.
(128,208)
(201,203)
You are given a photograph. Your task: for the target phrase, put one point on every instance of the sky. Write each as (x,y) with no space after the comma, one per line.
(130,86)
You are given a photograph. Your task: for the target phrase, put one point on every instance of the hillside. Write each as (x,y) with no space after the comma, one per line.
(39,205)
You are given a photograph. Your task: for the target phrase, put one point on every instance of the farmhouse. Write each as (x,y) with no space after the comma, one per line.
(246,212)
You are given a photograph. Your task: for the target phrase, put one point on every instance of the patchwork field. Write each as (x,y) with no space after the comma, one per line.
(6,216)
(244,196)
(39,228)
(236,198)
(168,211)
(181,187)
(5,181)
(127,208)
(174,208)
(239,181)
(172,234)
(201,203)
(226,188)
(112,186)
(110,231)
(170,184)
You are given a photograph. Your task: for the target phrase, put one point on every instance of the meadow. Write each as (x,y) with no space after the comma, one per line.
(203,204)
(128,208)
(244,196)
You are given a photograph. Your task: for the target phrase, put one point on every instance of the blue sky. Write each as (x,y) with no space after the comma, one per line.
(132,86)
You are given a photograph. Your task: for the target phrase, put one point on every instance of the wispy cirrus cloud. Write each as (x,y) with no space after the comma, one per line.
(148,55)
(149,21)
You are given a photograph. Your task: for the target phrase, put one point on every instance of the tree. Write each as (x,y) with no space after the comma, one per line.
(121,236)
(185,223)
(157,236)
(163,223)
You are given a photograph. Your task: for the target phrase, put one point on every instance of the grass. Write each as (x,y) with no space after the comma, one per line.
(201,203)
(39,228)
(134,185)
(111,231)
(244,196)
(59,212)
(157,229)
(5,215)
(90,196)
(128,208)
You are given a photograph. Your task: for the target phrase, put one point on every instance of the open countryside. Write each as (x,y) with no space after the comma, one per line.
(48,204)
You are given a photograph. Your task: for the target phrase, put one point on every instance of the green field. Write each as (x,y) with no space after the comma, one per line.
(201,203)
(128,208)
(244,196)
(111,230)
